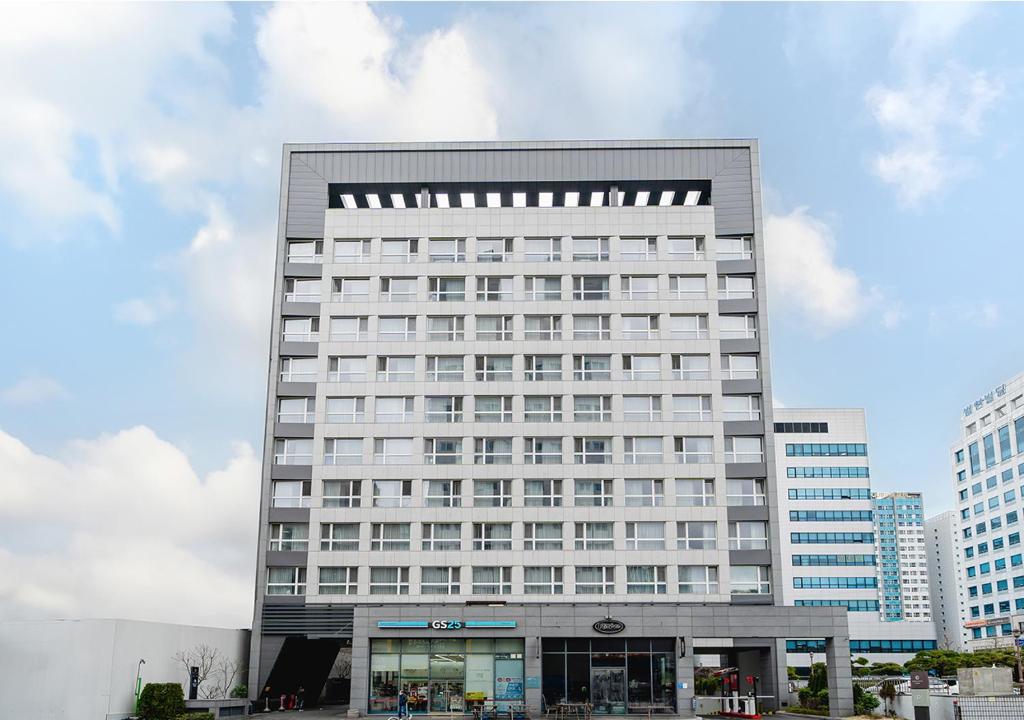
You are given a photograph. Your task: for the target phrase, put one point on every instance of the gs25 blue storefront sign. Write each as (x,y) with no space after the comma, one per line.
(451,624)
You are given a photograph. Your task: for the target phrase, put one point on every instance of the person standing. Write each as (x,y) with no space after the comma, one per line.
(403,703)
(301,695)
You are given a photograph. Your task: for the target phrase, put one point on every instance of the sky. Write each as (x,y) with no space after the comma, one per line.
(140,150)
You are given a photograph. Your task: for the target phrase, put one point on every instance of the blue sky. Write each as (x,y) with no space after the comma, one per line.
(139,163)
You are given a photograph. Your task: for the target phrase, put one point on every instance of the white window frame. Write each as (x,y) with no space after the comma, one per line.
(391,250)
(602,585)
(451,498)
(681,373)
(315,256)
(389,294)
(403,412)
(535,250)
(641,408)
(707,586)
(290,500)
(431,543)
(549,327)
(605,498)
(585,538)
(693,452)
(343,451)
(383,493)
(535,584)
(450,413)
(686,541)
(736,287)
(635,540)
(531,455)
(648,251)
(629,292)
(689,327)
(761,586)
(277,542)
(386,374)
(501,498)
(546,408)
(582,456)
(590,249)
(677,292)
(492,451)
(349,493)
(363,246)
(746,407)
(532,293)
(631,372)
(752,496)
(705,498)
(486,293)
(502,333)
(502,415)
(699,409)
(335,373)
(302,290)
(330,541)
(432,456)
(484,538)
(731,373)
(655,586)
(291,373)
(505,254)
(686,247)
(532,374)
(380,542)
(740,449)
(642,450)
(734,248)
(445,375)
(533,541)
(437,290)
(748,331)
(386,451)
(346,410)
(603,331)
(404,330)
(289,410)
(454,332)
(503,586)
(451,250)
(339,332)
(445,582)
(293,451)
(580,291)
(389,581)
(341,290)
(748,535)
(346,584)
(490,375)
(602,414)
(649,331)
(645,492)
(295,585)
(581,372)
(300,329)
(550,494)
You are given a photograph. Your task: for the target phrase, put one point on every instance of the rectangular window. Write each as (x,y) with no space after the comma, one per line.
(592,367)
(289,537)
(447,249)
(641,367)
(398,289)
(339,581)
(972,450)
(543,249)
(542,580)
(442,451)
(691,408)
(735,287)
(637,287)
(744,449)
(396,329)
(339,537)
(744,492)
(493,367)
(389,537)
(542,493)
(389,581)
(695,493)
(741,407)
(642,450)
(393,409)
(739,367)
(591,327)
(346,369)
(698,579)
(494,289)
(346,409)
(351,251)
(442,536)
(641,408)
(492,581)
(445,368)
(594,536)
(306,251)
(685,248)
(697,535)
(446,328)
(592,408)
(296,290)
(1005,450)
(589,249)
(493,408)
(595,580)
(748,535)
(349,329)
(343,451)
(691,450)
(492,536)
(543,367)
(296,410)
(543,327)
(750,579)
(343,493)
(493,249)
(350,289)
(990,450)
(300,329)
(494,327)
(289,493)
(645,492)
(439,581)
(293,451)
(299,369)
(590,287)
(688,287)
(542,408)
(638,248)
(543,288)
(645,536)
(592,450)
(593,493)
(542,536)
(691,367)
(689,327)
(640,327)
(543,451)
(442,493)
(286,581)
(392,451)
(395,369)
(395,250)
(737,327)
(645,579)
(392,493)
(492,493)
(443,409)
(734,248)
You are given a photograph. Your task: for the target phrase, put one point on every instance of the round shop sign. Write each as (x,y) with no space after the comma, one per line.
(608,626)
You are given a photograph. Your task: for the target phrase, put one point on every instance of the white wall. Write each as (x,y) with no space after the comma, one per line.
(85,669)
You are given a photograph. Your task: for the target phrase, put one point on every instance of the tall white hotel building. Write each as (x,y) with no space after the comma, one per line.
(517,445)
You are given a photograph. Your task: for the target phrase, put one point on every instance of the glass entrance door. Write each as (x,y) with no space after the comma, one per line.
(608,690)
(447,696)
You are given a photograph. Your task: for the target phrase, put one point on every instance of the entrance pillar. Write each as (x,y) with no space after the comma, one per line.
(840,675)
(532,669)
(684,675)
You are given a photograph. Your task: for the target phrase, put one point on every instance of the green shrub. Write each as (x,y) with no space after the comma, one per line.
(240,692)
(161,701)
(863,701)
(799,710)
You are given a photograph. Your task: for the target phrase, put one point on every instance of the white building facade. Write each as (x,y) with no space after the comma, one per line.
(902,557)
(830,541)
(988,482)
(945,572)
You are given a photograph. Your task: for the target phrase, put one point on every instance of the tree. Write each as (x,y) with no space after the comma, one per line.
(217,674)
(819,678)
(161,701)
(863,701)
(946,662)
(887,691)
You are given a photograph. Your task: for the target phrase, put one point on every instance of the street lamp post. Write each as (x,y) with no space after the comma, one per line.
(138,682)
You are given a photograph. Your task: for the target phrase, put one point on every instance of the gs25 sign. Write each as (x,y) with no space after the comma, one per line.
(446,624)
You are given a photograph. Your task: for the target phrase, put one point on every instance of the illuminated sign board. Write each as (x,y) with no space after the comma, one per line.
(450,624)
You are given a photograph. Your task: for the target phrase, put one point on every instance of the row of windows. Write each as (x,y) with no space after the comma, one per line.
(826,449)
(832,583)
(829,538)
(988,447)
(508,288)
(833,560)
(535,493)
(525,249)
(518,408)
(504,368)
(490,580)
(448,536)
(985,568)
(830,515)
(452,328)
(997,545)
(829,493)
(535,451)
(827,472)
(864,646)
(994,523)
(850,605)
(801,427)
(989,609)
(1005,629)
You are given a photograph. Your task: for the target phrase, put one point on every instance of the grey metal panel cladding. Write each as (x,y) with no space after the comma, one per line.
(739,513)
(297,389)
(746,470)
(743,427)
(736,267)
(291,472)
(300,309)
(288,514)
(293,430)
(746,305)
(315,620)
(750,557)
(744,345)
(290,558)
(303,270)
(299,349)
(727,167)
(729,387)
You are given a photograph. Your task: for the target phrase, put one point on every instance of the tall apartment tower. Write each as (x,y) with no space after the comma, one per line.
(945,572)
(902,557)
(518,446)
(988,480)
(835,547)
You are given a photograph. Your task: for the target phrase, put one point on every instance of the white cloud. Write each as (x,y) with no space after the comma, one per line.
(123,527)
(961,315)
(144,311)
(33,389)
(803,274)
(931,113)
